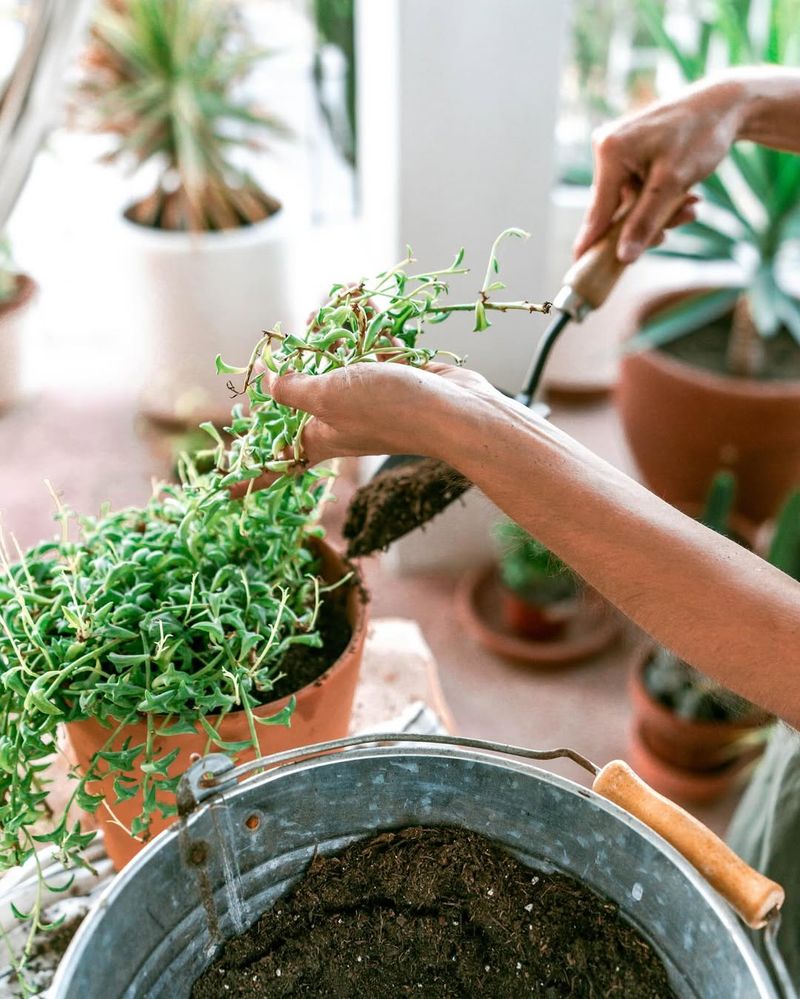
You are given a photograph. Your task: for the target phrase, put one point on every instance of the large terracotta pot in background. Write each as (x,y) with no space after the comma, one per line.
(323,710)
(689,760)
(684,424)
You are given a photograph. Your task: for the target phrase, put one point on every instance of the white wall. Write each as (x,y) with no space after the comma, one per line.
(458,101)
(478,98)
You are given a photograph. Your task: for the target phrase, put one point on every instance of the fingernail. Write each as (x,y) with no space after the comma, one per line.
(628,251)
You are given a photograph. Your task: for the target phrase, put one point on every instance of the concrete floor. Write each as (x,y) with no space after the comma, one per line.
(93,448)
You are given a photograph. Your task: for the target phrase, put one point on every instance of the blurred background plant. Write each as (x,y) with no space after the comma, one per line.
(163,77)
(754,198)
(9,276)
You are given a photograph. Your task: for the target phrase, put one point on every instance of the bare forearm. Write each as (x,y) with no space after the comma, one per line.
(718,606)
(768,99)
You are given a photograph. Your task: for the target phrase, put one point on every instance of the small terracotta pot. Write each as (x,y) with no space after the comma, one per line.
(323,710)
(542,622)
(683,424)
(589,623)
(692,760)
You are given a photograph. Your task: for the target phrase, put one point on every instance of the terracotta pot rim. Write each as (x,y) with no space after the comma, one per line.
(688,785)
(273,707)
(640,694)
(27,288)
(545,654)
(744,388)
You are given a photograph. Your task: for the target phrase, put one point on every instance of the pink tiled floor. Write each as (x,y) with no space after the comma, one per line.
(92,450)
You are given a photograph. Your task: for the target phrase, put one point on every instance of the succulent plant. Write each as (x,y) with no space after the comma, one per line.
(529,569)
(163,77)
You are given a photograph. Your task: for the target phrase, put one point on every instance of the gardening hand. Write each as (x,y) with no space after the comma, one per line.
(655,155)
(369,409)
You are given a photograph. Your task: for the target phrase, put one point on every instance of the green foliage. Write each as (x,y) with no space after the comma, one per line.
(336,26)
(180,611)
(8,273)
(784,550)
(530,569)
(755,195)
(163,77)
(719,503)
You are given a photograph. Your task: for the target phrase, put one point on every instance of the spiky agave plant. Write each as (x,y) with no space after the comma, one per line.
(163,77)
(754,198)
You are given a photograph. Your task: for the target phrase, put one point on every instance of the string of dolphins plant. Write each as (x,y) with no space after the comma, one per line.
(181,611)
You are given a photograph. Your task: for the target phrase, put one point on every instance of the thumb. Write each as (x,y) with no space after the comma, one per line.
(294,389)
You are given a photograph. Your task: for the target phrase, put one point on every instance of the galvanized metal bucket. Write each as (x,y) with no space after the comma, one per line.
(164,918)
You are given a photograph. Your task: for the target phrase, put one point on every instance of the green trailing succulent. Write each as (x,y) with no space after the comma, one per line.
(164,78)
(754,198)
(529,569)
(181,611)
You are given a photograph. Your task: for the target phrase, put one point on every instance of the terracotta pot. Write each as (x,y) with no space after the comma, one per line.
(680,757)
(684,424)
(542,622)
(323,710)
(589,627)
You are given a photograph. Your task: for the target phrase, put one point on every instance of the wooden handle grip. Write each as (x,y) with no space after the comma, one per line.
(593,276)
(751,894)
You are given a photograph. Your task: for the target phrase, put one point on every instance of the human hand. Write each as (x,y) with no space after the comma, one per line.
(369,409)
(654,156)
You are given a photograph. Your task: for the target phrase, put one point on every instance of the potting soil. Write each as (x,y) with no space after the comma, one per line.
(397,501)
(302,664)
(439,913)
(707,348)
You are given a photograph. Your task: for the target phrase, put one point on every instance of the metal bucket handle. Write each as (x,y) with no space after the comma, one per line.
(753,896)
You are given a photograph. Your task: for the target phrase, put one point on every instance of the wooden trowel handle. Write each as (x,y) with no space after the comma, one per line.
(751,894)
(592,277)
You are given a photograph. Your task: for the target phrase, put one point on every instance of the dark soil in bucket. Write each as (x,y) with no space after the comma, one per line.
(706,348)
(302,664)
(438,913)
(398,501)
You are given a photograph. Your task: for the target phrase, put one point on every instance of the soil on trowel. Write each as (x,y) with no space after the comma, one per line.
(707,348)
(398,501)
(302,664)
(439,913)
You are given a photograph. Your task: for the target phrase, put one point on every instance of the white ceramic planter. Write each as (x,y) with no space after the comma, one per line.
(13,322)
(196,295)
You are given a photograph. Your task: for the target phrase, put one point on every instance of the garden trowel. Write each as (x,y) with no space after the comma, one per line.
(407,491)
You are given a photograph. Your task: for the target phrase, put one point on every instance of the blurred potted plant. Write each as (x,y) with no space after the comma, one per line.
(16,293)
(208,246)
(692,738)
(530,607)
(719,385)
(539,591)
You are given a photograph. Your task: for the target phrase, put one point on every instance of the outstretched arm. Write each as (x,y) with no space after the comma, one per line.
(716,605)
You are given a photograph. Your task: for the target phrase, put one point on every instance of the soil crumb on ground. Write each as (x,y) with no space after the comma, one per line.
(439,913)
(397,501)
